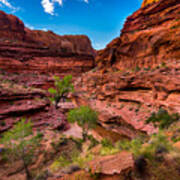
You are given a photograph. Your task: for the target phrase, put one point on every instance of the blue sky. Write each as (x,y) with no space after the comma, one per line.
(101,20)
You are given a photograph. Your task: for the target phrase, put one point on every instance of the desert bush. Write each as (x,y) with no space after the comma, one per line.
(106,143)
(61,90)
(162,119)
(20,144)
(73,158)
(133,146)
(158,143)
(93,141)
(85,117)
(62,161)
(107,147)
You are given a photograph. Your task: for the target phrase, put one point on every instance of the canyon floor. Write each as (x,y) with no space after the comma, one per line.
(134,79)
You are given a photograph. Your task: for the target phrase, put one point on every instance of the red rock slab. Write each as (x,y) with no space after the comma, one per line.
(112,164)
(150,36)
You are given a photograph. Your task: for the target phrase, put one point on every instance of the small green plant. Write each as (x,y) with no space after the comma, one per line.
(137,69)
(3,123)
(20,144)
(85,117)
(163,65)
(175,139)
(157,143)
(73,158)
(106,143)
(175,26)
(94,142)
(94,175)
(82,161)
(147,69)
(108,148)
(162,119)
(61,90)
(62,161)
(133,146)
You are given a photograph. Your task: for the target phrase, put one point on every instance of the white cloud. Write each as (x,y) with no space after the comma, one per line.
(7,3)
(29,26)
(49,5)
(44,29)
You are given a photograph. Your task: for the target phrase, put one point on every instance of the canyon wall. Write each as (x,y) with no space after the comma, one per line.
(137,73)
(150,36)
(148,2)
(25,50)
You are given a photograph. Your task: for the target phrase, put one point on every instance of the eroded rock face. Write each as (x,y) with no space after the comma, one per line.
(29,58)
(11,27)
(25,102)
(25,50)
(113,164)
(148,2)
(138,72)
(150,36)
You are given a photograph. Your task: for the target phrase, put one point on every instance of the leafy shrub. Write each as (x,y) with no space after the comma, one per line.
(94,142)
(62,88)
(133,146)
(107,148)
(157,143)
(78,142)
(162,119)
(137,69)
(106,143)
(81,161)
(147,69)
(85,117)
(2,123)
(163,65)
(62,161)
(108,151)
(19,146)
(73,158)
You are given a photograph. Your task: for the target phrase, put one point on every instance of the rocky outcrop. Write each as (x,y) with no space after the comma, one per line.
(138,72)
(148,2)
(11,27)
(24,102)
(111,167)
(25,50)
(150,36)
(29,58)
(113,164)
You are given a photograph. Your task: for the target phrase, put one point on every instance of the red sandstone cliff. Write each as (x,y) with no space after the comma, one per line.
(22,49)
(150,36)
(29,58)
(138,72)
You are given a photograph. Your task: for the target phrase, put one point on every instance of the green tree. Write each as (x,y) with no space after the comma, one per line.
(20,144)
(85,117)
(62,88)
(162,119)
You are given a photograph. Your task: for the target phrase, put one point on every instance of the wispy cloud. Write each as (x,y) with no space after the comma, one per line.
(49,5)
(8,4)
(29,26)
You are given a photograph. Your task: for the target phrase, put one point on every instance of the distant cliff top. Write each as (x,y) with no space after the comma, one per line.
(146,2)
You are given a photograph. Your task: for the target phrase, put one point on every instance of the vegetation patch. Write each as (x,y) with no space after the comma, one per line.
(85,118)
(162,119)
